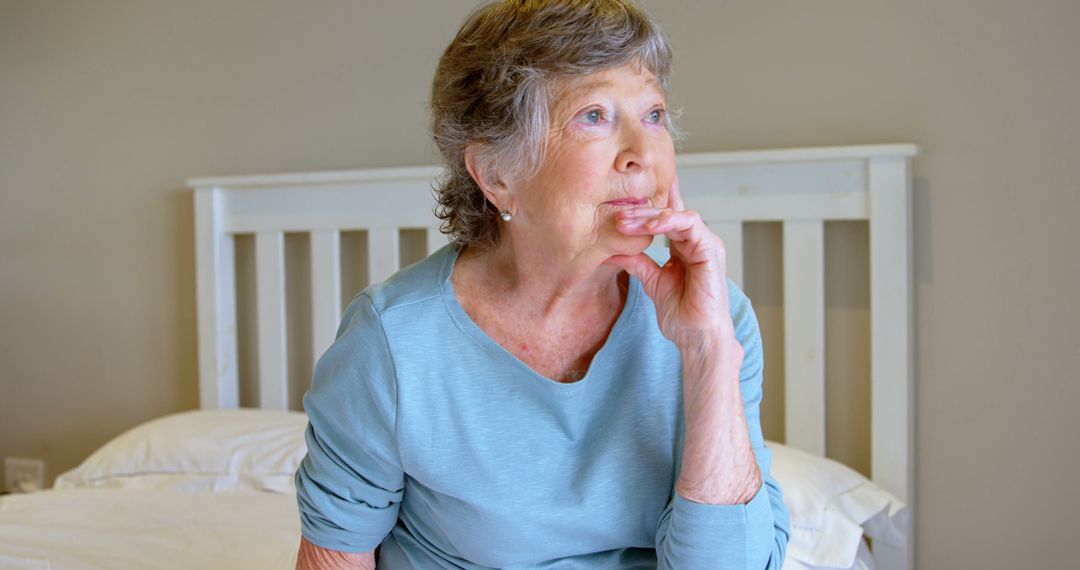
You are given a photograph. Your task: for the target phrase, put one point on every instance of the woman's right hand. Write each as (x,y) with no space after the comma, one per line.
(690,290)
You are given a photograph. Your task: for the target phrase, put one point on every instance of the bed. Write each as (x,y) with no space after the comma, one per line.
(212,488)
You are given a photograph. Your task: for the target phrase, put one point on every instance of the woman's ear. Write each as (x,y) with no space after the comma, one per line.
(493,187)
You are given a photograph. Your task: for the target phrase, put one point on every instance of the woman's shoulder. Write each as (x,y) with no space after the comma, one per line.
(421,281)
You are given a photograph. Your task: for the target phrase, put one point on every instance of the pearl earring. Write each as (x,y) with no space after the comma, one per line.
(506,215)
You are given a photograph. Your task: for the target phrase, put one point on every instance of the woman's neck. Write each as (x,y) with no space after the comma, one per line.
(531,281)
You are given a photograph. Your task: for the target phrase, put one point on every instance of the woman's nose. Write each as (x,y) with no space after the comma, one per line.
(635,151)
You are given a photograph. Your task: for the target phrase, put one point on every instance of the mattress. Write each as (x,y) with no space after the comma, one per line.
(117,529)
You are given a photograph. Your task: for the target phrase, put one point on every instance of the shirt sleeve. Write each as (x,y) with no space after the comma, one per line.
(350,484)
(753,536)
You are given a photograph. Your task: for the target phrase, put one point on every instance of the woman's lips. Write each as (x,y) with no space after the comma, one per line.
(628,202)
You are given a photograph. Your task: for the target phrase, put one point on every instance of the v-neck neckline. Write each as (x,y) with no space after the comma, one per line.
(466,324)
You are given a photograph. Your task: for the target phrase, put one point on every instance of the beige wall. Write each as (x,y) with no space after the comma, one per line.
(106,108)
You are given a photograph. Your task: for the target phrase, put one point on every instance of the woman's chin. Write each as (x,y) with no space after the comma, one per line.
(631,245)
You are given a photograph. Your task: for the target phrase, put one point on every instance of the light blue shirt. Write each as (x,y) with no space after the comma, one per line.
(427,437)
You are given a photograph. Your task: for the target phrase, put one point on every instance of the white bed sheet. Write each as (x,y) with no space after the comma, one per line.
(137,529)
(119,529)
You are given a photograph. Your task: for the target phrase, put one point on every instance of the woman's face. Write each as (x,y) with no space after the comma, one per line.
(608,149)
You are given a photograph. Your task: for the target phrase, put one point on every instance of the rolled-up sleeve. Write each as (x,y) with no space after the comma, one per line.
(350,484)
(752,536)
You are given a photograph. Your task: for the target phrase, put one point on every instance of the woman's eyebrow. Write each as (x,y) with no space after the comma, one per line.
(575,90)
(596,84)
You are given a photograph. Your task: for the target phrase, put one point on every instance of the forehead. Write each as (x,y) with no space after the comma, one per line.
(632,78)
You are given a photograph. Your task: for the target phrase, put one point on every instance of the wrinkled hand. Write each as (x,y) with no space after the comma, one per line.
(690,290)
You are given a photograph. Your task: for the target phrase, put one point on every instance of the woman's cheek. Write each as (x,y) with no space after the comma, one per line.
(663,191)
(577,224)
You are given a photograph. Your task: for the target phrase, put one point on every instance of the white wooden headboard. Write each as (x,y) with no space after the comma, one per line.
(801,188)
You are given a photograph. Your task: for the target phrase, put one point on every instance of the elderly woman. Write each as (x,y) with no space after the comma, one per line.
(540,393)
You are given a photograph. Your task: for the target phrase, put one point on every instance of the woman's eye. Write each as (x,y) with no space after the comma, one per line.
(656,115)
(592,117)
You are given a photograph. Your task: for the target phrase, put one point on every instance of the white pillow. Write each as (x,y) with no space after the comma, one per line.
(202,450)
(832,506)
(864,560)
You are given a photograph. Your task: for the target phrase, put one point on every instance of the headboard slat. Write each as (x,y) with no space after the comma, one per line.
(270,307)
(804,334)
(731,233)
(435,239)
(384,253)
(325,288)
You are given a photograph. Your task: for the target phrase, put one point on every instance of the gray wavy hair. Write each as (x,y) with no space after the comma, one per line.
(494,85)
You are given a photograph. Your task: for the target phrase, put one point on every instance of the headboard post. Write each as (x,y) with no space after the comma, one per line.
(216,299)
(892,343)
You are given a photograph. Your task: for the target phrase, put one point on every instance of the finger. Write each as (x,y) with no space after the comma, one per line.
(641,212)
(653,221)
(641,266)
(685,225)
(631,223)
(679,226)
(690,238)
(636,221)
(675,201)
(673,223)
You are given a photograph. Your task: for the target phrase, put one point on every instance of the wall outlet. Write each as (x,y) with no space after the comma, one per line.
(23,475)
